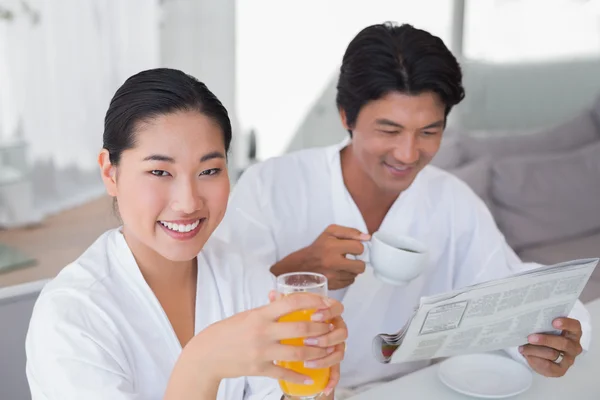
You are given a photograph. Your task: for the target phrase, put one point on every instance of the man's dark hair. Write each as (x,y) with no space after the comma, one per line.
(387,58)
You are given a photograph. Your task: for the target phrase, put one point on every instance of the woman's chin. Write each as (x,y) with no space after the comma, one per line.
(181,253)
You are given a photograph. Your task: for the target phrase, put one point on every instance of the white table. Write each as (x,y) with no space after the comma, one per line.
(581,382)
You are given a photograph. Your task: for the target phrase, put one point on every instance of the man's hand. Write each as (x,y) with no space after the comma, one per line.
(327,256)
(553,355)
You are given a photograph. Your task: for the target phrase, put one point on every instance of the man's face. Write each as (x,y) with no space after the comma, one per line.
(396,136)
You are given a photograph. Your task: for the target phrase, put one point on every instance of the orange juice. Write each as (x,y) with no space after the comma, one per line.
(319,376)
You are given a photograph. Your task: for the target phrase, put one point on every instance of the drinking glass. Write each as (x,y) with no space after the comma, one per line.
(288,285)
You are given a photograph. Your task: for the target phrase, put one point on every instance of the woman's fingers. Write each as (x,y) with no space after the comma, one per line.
(289,304)
(334,379)
(332,310)
(281,373)
(273,295)
(284,352)
(330,360)
(338,335)
(300,329)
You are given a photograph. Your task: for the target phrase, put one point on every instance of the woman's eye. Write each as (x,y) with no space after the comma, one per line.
(159,172)
(212,171)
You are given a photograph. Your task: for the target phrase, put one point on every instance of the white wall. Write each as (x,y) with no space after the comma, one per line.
(64,60)
(532,63)
(198,37)
(531,30)
(288,51)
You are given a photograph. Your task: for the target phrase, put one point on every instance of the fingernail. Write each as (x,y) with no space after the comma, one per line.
(328,302)
(364,236)
(534,339)
(311,342)
(309,364)
(330,350)
(521,349)
(558,324)
(317,317)
(309,382)
(328,391)
(331,327)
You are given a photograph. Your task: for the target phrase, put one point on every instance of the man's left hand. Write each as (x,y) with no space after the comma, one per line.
(552,355)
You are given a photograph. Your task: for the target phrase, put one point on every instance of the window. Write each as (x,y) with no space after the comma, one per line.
(531,30)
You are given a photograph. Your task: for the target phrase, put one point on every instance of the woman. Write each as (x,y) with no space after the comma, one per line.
(159,309)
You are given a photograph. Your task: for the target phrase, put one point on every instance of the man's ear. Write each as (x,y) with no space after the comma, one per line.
(108,173)
(344,119)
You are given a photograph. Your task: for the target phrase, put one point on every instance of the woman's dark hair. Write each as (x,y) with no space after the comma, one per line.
(388,58)
(150,94)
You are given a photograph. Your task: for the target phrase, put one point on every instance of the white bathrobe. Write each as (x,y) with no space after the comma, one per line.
(283,204)
(98,331)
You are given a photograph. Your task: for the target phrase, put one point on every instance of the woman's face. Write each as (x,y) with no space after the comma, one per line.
(172,187)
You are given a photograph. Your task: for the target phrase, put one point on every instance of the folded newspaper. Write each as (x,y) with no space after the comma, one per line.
(488,316)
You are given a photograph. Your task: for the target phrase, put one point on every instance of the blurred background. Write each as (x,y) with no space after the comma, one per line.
(532,78)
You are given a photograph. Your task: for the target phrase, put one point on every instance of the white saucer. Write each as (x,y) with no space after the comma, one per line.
(488,376)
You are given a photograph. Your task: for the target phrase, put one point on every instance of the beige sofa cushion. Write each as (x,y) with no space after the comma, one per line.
(544,198)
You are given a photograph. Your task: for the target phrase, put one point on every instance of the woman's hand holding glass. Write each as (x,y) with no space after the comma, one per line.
(321,382)
(248,343)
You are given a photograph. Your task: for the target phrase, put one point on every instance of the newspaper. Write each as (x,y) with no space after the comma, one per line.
(488,316)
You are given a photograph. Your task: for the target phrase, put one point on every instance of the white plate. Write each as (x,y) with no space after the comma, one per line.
(488,376)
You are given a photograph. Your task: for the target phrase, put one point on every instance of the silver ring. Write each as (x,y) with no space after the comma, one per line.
(560,357)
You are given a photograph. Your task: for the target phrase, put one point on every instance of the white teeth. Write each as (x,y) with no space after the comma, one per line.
(180,227)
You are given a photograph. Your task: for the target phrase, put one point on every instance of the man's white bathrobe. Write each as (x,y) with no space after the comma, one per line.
(283,204)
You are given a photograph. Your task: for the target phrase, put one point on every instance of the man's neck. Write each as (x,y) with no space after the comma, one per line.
(372,202)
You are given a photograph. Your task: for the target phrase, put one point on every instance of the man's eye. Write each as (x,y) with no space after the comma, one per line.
(159,172)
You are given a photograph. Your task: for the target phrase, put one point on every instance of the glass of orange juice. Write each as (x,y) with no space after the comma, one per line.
(288,284)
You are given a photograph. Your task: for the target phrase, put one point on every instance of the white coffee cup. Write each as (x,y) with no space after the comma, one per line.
(396,260)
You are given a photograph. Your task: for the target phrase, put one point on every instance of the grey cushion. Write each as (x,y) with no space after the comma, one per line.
(573,134)
(587,246)
(591,291)
(582,247)
(596,112)
(543,198)
(477,174)
(450,154)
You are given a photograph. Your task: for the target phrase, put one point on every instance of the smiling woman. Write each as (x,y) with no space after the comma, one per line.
(168,171)
(141,311)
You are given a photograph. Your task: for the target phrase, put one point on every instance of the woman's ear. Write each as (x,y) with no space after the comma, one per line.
(108,172)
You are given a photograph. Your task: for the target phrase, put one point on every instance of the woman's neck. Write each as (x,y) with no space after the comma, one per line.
(157,270)
(173,283)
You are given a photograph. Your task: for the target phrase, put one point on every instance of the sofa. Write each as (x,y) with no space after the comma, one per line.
(542,186)
(16,306)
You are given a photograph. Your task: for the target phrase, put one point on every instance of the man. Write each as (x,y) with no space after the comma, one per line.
(311,210)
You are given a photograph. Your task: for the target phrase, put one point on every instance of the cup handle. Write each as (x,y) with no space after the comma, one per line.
(367,252)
